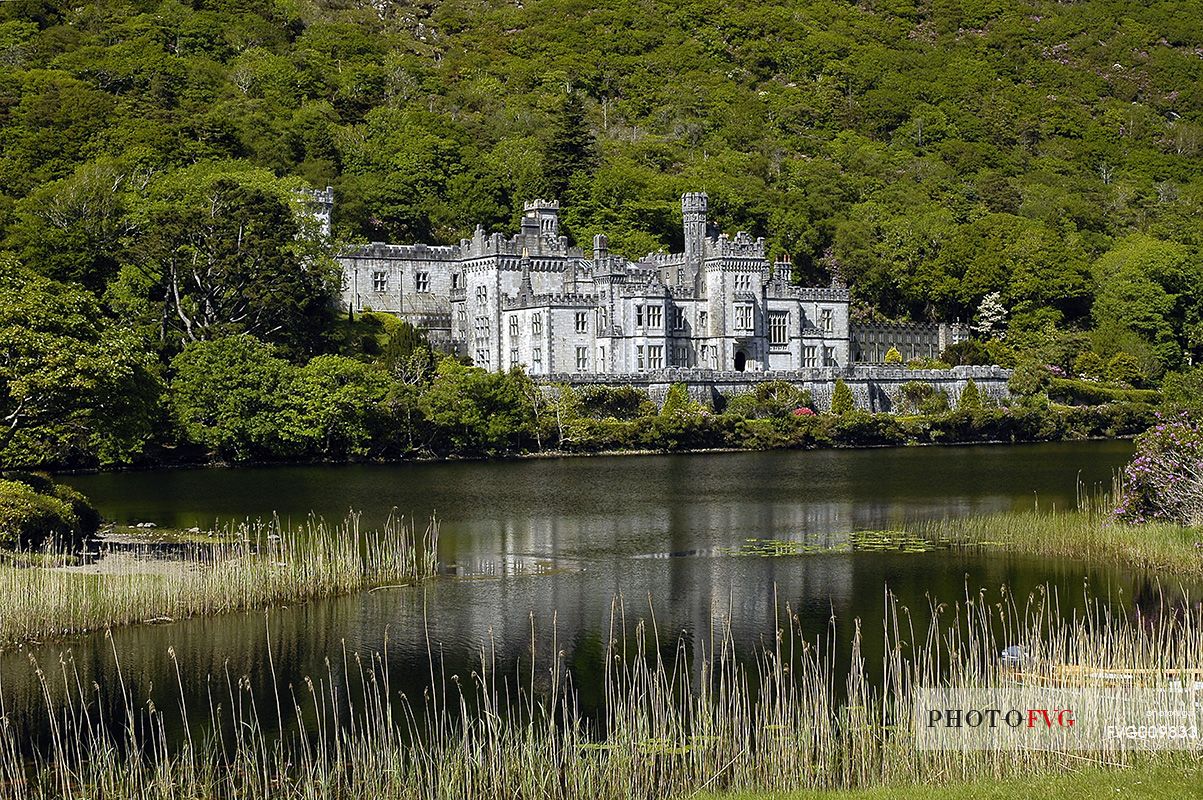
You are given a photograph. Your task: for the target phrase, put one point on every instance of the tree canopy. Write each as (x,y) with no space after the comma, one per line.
(1031,168)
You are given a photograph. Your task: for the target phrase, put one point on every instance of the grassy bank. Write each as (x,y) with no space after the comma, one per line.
(1155,780)
(260,565)
(783,719)
(1091,535)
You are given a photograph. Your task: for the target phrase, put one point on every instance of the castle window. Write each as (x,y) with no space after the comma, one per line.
(743,283)
(743,317)
(678,319)
(462,315)
(655,356)
(825,321)
(639,356)
(482,296)
(582,359)
(482,357)
(455,280)
(829,357)
(702,317)
(513,357)
(683,356)
(778,323)
(639,316)
(681,276)
(379,281)
(536,324)
(601,319)
(810,356)
(655,317)
(513,324)
(582,321)
(536,359)
(601,358)
(422,282)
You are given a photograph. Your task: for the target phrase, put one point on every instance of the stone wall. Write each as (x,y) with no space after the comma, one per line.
(876,388)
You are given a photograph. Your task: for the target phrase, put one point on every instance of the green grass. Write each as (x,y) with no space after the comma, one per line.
(1085,535)
(1158,780)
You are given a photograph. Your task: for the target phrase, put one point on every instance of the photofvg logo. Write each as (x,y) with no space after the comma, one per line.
(1045,718)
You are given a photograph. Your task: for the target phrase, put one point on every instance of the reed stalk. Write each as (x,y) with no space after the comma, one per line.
(263,564)
(780,719)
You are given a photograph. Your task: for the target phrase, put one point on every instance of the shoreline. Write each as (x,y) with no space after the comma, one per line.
(552,455)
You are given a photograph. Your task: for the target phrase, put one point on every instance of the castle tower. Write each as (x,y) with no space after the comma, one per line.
(693,209)
(321,206)
(545,214)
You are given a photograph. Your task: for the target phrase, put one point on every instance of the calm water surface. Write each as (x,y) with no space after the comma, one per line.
(544,540)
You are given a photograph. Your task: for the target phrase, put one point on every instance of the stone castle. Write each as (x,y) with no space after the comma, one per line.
(533,300)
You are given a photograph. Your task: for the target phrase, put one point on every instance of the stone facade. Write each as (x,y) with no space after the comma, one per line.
(870,343)
(875,388)
(533,300)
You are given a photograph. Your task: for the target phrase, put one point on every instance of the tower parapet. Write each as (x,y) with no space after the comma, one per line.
(545,214)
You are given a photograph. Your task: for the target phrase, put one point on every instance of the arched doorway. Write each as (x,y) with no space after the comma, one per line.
(741,360)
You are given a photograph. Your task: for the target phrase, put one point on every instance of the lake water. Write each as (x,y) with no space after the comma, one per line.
(537,541)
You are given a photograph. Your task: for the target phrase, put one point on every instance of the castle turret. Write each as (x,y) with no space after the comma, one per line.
(545,214)
(321,205)
(693,209)
(601,247)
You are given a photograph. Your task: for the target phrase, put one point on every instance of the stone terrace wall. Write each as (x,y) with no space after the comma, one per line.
(876,388)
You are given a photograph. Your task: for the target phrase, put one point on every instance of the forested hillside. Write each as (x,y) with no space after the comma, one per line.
(934,153)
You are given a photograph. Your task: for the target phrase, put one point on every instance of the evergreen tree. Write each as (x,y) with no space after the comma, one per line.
(971,398)
(893,356)
(842,401)
(571,148)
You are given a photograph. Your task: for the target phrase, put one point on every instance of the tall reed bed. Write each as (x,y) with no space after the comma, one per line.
(1085,535)
(782,718)
(1090,532)
(262,564)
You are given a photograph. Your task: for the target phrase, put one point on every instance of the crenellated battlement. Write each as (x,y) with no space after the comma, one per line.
(699,307)
(554,299)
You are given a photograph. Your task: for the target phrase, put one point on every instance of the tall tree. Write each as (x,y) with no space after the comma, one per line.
(231,255)
(74,385)
(571,148)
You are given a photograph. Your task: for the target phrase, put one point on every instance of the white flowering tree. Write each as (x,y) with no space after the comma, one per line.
(991,322)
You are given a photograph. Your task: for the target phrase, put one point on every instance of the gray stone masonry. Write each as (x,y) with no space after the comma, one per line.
(875,388)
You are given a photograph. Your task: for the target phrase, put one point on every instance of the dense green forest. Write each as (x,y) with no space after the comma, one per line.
(1034,168)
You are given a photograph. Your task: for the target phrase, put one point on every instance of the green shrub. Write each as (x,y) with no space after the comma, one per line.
(1089,365)
(1075,392)
(893,356)
(1029,378)
(918,397)
(861,429)
(971,398)
(769,399)
(1125,368)
(970,352)
(32,517)
(619,402)
(1183,390)
(842,401)
(927,363)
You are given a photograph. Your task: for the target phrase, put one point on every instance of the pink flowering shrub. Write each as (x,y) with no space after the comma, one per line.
(1164,480)
(803,412)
